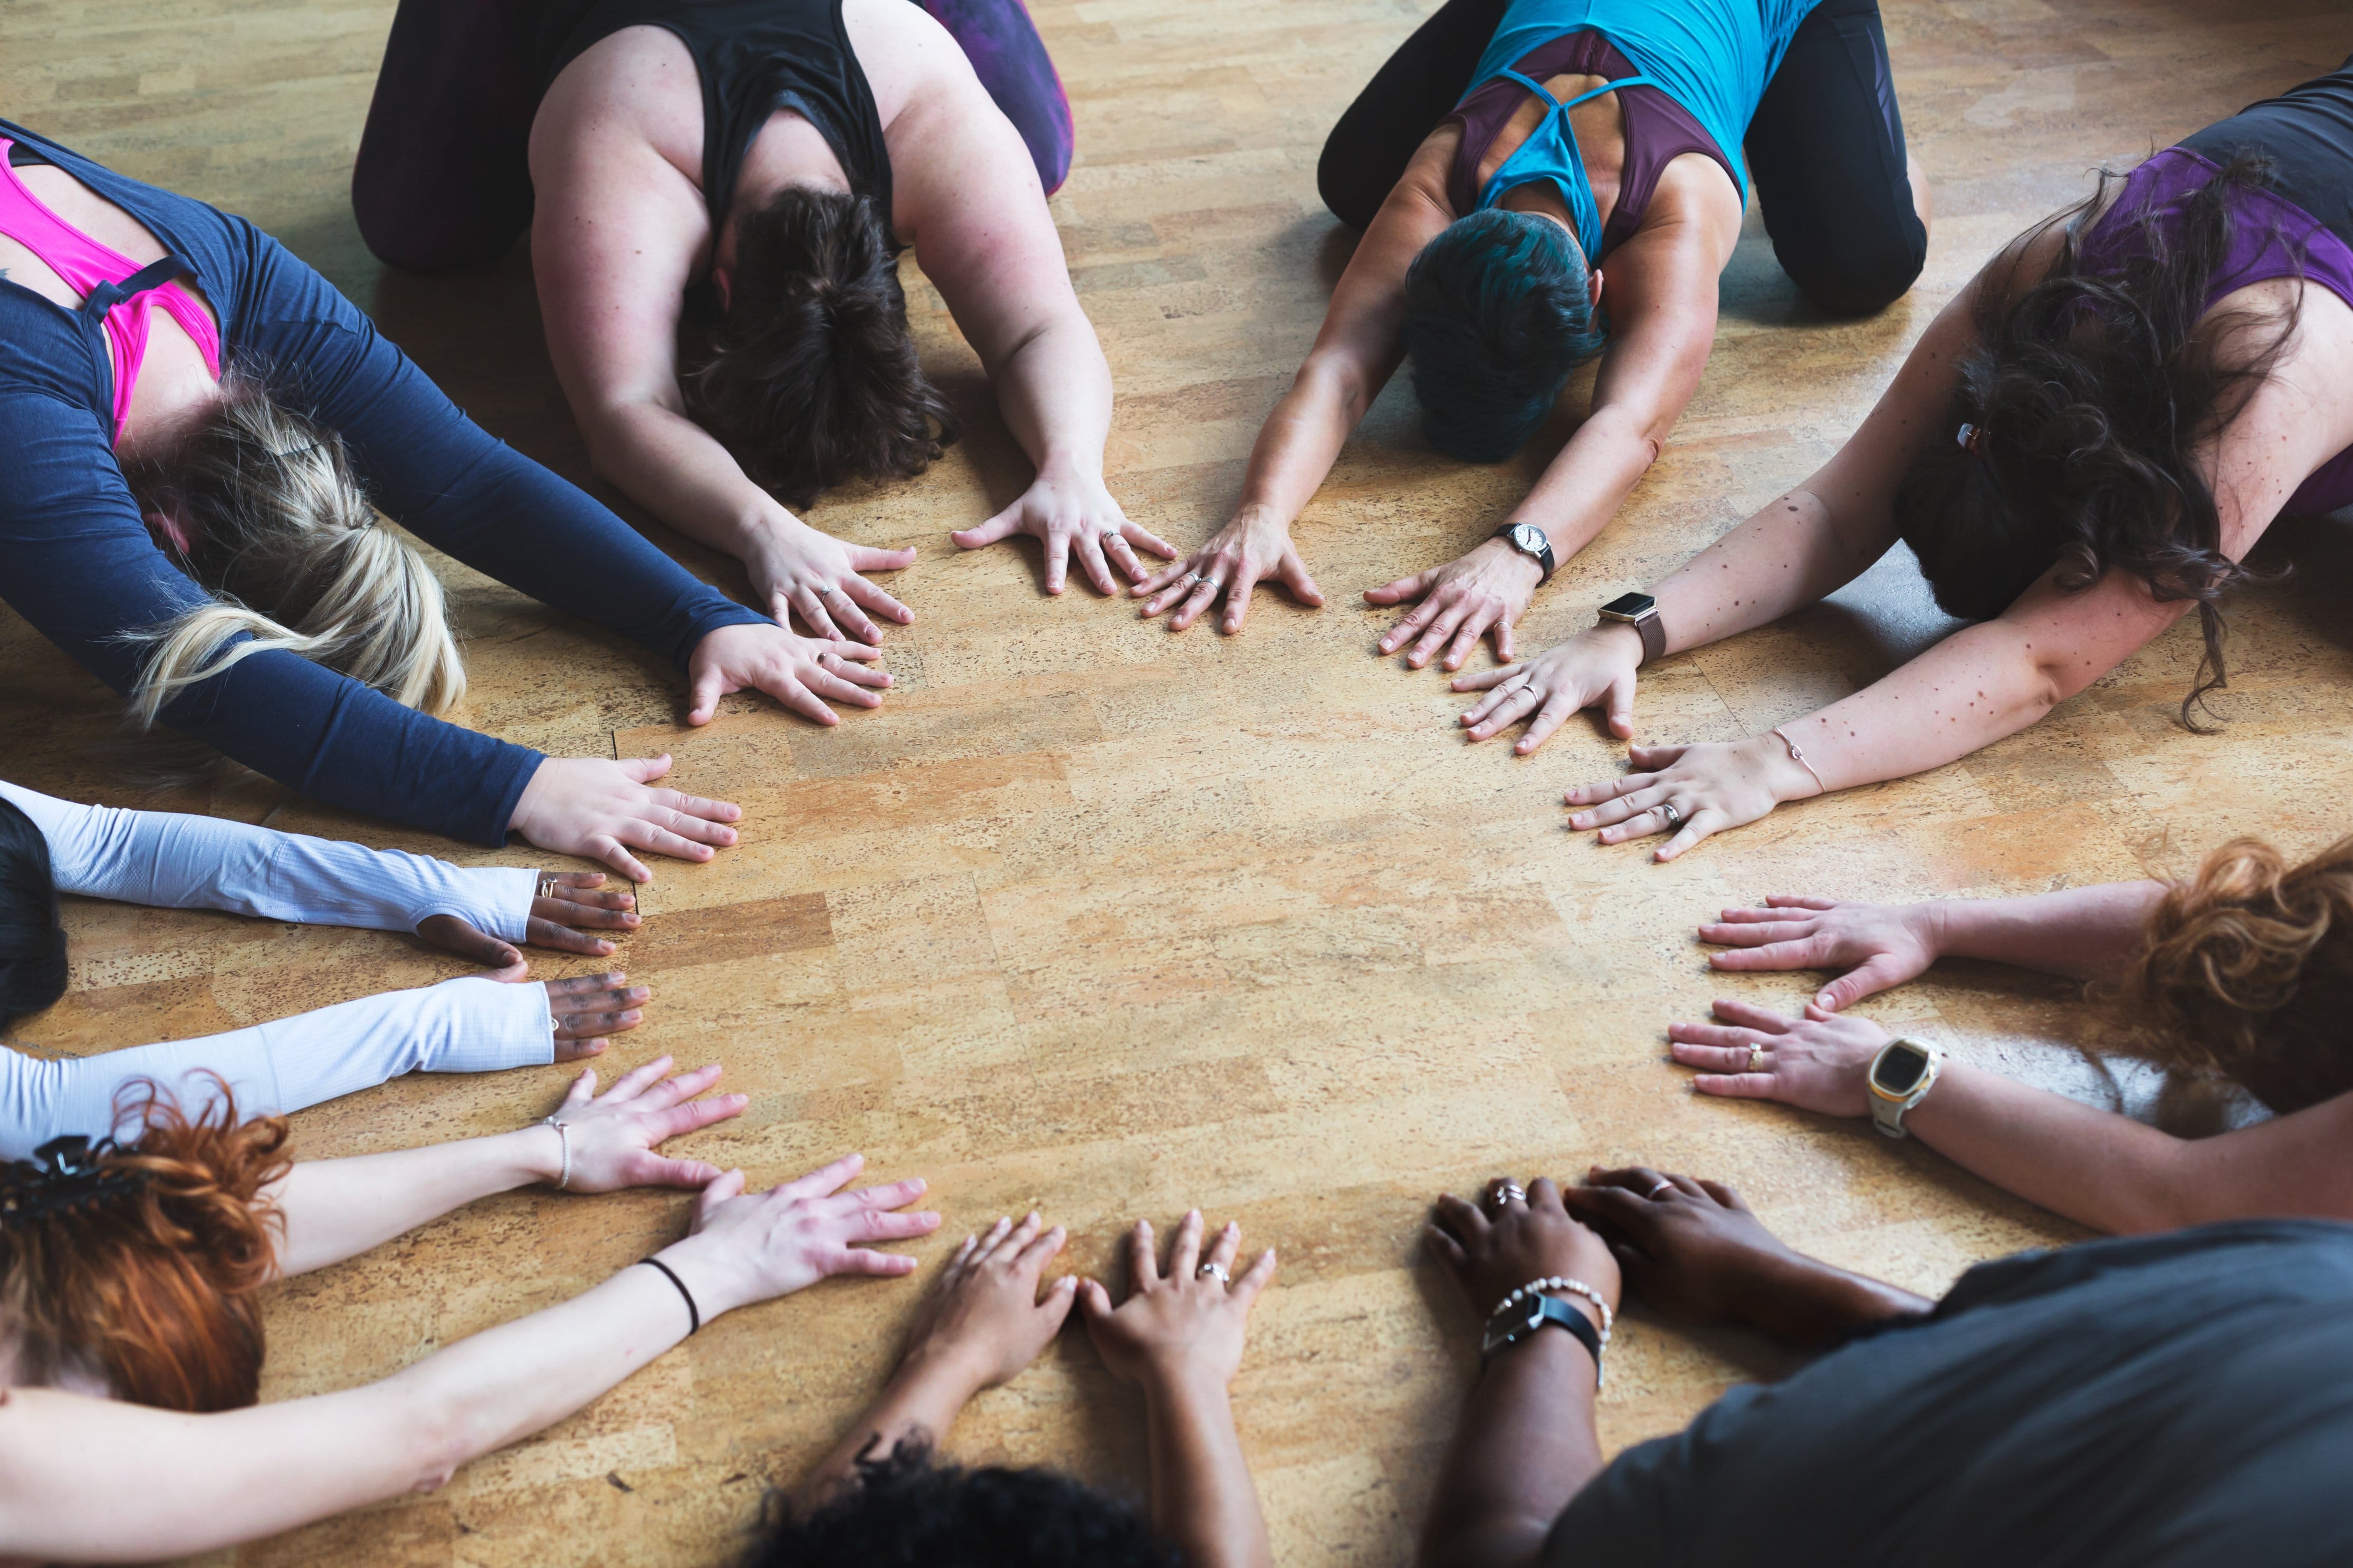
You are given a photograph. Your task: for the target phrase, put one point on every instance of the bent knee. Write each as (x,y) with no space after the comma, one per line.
(1857,279)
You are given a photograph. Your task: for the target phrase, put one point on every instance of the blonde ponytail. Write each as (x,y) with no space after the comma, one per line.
(281,535)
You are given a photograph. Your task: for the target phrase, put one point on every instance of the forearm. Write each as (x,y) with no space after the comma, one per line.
(2095,1167)
(2088,933)
(1785,557)
(919,1403)
(335,1209)
(1302,439)
(680,472)
(1585,485)
(1203,1498)
(1524,1447)
(1054,394)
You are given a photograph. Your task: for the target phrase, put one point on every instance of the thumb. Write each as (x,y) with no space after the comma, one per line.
(727,1184)
(705,690)
(1404,588)
(1622,705)
(645,770)
(1295,578)
(657,1170)
(1004,525)
(1093,1299)
(1061,1297)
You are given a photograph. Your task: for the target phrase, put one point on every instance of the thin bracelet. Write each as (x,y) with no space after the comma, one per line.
(1798,757)
(1559,1282)
(693,1312)
(563,1136)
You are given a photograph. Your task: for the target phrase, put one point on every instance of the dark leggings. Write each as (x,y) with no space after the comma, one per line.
(1825,149)
(443,176)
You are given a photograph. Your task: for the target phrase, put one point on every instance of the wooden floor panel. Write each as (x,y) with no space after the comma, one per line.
(1111,921)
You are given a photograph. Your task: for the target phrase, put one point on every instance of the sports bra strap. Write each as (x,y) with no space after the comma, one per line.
(154,275)
(1543,91)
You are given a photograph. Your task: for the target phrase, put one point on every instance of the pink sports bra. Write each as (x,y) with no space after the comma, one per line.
(107,280)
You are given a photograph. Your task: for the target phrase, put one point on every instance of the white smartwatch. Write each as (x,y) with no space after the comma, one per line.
(1900,1076)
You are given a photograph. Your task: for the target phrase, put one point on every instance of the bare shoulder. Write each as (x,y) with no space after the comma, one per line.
(911,62)
(629,95)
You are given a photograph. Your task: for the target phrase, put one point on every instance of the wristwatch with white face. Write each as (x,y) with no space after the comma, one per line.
(1900,1076)
(1531,542)
(1640,612)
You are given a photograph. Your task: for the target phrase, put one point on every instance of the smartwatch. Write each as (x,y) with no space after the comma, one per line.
(1640,612)
(1531,542)
(1900,1076)
(1523,1319)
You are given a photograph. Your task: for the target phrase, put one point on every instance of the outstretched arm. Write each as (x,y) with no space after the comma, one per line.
(2094,1167)
(208,1481)
(1358,347)
(335,1209)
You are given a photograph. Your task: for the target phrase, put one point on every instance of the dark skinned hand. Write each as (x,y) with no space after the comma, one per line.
(579,898)
(1691,1249)
(588,1007)
(1494,1249)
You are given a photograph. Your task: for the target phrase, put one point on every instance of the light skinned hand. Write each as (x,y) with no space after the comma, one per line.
(1594,669)
(1878,945)
(579,899)
(1818,1062)
(754,1247)
(613,1135)
(797,570)
(1493,1246)
(1693,1249)
(1253,548)
(984,1320)
(1714,785)
(1071,513)
(1182,1327)
(798,671)
(600,810)
(1484,591)
(590,1007)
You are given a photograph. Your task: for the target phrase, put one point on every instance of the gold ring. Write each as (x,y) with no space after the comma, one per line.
(1755,1059)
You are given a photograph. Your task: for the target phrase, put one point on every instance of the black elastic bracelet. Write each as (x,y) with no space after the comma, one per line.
(693,1312)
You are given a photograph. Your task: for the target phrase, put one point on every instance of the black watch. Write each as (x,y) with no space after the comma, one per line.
(1641,612)
(1531,542)
(1524,1319)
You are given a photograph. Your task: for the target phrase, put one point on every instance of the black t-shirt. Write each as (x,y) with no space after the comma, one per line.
(2145,1403)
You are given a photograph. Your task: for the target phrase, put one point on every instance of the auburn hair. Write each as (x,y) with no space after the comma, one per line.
(2246,972)
(155,1289)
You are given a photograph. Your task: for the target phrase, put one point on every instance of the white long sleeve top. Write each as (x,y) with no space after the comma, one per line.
(471,1025)
(205,863)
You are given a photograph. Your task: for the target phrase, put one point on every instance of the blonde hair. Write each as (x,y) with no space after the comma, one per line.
(2246,972)
(280,533)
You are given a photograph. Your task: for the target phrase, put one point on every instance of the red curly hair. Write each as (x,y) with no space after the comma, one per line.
(155,1290)
(2246,972)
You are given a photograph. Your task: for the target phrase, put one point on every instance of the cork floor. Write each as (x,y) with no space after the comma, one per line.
(1109,922)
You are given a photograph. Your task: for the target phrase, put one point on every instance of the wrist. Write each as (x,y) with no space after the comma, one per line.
(1511,558)
(535,1153)
(706,1273)
(1069,465)
(1784,775)
(933,1374)
(1183,1384)
(1621,639)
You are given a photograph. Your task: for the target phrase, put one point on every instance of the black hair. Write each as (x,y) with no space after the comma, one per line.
(1498,311)
(2089,395)
(904,1511)
(813,377)
(32,936)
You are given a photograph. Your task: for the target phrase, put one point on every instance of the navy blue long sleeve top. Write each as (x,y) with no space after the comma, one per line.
(76,561)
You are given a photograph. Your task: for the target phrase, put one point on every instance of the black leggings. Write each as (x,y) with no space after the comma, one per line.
(1825,148)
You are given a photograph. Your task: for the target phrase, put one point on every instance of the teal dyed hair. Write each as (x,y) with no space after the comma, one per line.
(1498,311)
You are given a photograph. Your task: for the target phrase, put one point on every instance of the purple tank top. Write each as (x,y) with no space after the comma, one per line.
(1658,128)
(2266,228)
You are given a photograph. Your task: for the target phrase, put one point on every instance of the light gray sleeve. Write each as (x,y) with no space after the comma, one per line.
(459,1026)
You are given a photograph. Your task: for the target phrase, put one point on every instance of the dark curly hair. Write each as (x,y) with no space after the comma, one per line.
(813,378)
(904,1511)
(2092,392)
(32,935)
(1498,311)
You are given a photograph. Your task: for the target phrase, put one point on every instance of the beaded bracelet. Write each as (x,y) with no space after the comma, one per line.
(1559,1282)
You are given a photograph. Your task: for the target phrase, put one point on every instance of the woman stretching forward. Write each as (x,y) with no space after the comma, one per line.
(2080,450)
(130,1347)
(2244,974)
(1507,160)
(196,434)
(762,163)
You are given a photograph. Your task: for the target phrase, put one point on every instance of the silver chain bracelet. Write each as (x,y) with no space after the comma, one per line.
(564,1181)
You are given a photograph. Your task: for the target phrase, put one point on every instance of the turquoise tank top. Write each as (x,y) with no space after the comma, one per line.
(1713,57)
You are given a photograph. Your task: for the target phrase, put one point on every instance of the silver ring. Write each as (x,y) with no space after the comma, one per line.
(1193,579)
(1216,1271)
(1667,809)
(1755,1059)
(547,887)
(1510,1192)
(1665,1186)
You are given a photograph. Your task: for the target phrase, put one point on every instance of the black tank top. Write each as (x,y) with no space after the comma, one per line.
(2307,133)
(755,57)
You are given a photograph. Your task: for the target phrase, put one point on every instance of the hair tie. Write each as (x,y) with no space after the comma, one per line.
(1971,439)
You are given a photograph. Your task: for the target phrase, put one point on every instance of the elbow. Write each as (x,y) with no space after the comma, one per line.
(1327,379)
